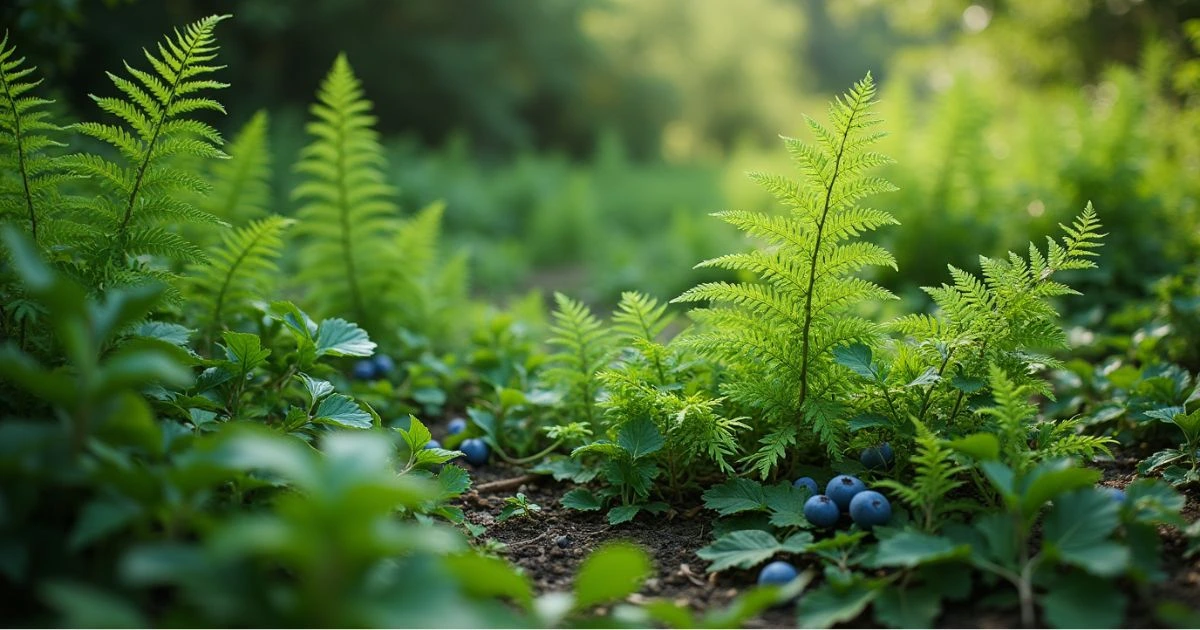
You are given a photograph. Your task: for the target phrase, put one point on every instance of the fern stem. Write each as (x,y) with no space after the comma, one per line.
(123,230)
(12,104)
(812,271)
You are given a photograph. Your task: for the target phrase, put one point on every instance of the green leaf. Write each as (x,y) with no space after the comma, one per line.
(623,514)
(928,377)
(1077,530)
(1050,479)
(82,606)
(856,357)
(909,549)
(612,572)
(908,607)
(452,481)
(979,446)
(868,421)
(639,438)
(1002,479)
(173,334)
(244,351)
(101,517)
(295,319)
(342,411)
(337,337)
(1154,502)
(485,577)
(316,388)
(825,607)
(735,495)
(416,435)
(581,499)
(744,549)
(786,504)
(1077,600)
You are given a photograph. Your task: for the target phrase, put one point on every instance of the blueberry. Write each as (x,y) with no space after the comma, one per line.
(806,482)
(563,542)
(383,365)
(476,451)
(869,508)
(821,511)
(433,444)
(365,370)
(778,572)
(456,426)
(842,488)
(877,456)
(1117,494)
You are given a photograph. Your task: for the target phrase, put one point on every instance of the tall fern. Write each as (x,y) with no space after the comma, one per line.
(348,219)
(144,190)
(584,348)
(29,175)
(775,336)
(241,270)
(434,287)
(241,185)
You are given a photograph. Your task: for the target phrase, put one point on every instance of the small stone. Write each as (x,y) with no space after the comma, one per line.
(562,541)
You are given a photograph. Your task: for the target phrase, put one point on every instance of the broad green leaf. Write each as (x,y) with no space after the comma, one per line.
(315,387)
(623,514)
(735,495)
(998,531)
(257,450)
(434,456)
(744,549)
(639,438)
(483,576)
(343,411)
(173,334)
(928,377)
(452,481)
(979,446)
(416,435)
(244,351)
(754,601)
(857,357)
(1152,501)
(485,420)
(908,607)
(1077,529)
(296,320)
(581,499)
(101,517)
(1050,479)
(1002,479)
(1077,600)
(826,607)
(83,606)
(786,504)
(868,421)
(797,543)
(610,573)
(337,337)
(909,549)
(1160,459)
(967,384)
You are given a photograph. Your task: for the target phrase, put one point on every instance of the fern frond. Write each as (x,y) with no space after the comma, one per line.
(348,220)
(432,288)
(584,348)
(142,191)
(936,477)
(779,332)
(242,269)
(30,176)
(241,189)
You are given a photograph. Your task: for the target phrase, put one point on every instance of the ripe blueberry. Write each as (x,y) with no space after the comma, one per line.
(476,451)
(383,364)
(778,572)
(806,482)
(880,456)
(456,426)
(842,488)
(364,370)
(1117,494)
(869,508)
(821,511)
(433,444)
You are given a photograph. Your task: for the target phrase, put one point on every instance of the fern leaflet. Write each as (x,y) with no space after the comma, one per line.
(241,190)
(585,348)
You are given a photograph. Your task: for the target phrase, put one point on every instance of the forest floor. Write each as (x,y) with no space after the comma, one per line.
(551,546)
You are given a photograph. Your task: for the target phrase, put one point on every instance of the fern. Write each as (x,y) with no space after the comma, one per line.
(638,322)
(585,347)
(241,188)
(937,476)
(434,288)
(775,337)
(1004,319)
(145,191)
(348,219)
(29,186)
(242,269)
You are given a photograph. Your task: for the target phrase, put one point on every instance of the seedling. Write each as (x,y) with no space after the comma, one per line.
(518,506)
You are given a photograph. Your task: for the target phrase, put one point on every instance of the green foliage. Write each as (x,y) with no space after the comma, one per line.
(936,477)
(144,191)
(585,347)
(240,271)
(1180,466)
(29,189)
(775,337)
(241,190)
(518,506)
(628,467)
(348,220)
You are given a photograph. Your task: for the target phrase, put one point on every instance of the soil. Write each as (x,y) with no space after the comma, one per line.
(550,547)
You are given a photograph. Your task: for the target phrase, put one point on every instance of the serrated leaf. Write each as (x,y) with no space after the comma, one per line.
(928,377)
(735,495)
(639,438)
(1077,529)
(825,607)
(868,421)
(909,549)
(452,481)
(315,387)
(907,607)
(173,334)
(856,357)
(623,514)
(342,411)
(786,504)
(1078,600)
(416,435)
(743,549)
(1050,479)
(610,573)
(244,351)
(1154,502)
(337,337)
(581,499)
(978,446)
(487,577)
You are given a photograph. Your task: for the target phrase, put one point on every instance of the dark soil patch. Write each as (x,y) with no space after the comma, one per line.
(550,548)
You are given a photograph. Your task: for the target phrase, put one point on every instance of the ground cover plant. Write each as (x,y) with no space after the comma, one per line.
(216,413)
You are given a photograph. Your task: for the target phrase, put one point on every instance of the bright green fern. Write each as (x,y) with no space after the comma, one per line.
(348,219)
(241,270)
(775,337)
(937,475)
(30,176)
(434,287)
(144,190)
(584,348)
(241,185)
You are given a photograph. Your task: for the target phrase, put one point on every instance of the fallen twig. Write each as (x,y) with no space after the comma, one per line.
(505,484)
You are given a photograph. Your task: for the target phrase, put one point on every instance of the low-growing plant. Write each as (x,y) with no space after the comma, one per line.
(1181,465)
(518,507)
